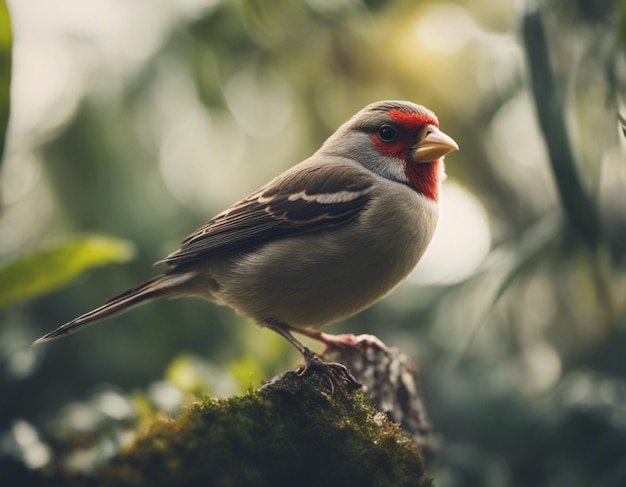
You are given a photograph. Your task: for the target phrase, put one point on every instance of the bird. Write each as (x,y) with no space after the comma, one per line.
(320,242)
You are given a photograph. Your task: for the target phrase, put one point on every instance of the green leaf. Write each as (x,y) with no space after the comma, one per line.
(50,268)
(5,72)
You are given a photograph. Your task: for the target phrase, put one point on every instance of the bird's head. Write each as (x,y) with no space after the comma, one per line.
(398,140)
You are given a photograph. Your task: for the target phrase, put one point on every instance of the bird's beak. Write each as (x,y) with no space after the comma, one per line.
(432,144)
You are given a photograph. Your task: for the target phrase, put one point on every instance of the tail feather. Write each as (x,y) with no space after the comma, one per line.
(147,291)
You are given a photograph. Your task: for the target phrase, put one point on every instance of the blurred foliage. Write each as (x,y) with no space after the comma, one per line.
(55,265)
(5,72)
(156,115)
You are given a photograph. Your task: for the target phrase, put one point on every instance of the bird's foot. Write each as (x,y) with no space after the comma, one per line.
(338,375)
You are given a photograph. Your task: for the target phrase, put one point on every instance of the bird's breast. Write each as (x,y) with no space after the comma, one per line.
(310,280)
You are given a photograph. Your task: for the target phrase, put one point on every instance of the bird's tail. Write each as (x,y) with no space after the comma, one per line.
(149,290)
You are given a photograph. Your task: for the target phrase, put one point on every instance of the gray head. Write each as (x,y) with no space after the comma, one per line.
(399,140)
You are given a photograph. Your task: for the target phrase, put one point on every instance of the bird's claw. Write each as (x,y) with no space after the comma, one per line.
(336,374)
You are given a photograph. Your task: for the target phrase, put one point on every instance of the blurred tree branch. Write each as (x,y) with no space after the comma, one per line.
(581,211)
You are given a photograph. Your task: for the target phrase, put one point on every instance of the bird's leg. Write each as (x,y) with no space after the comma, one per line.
(347,340)
(337,374)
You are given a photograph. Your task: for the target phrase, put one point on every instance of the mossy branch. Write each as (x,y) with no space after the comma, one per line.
(292,431)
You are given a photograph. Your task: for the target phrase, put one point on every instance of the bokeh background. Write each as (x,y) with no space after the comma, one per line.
(135,121)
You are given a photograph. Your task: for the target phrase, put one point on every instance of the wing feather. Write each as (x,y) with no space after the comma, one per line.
(300,201)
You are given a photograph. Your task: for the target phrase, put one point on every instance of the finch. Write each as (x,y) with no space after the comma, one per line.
(320,242)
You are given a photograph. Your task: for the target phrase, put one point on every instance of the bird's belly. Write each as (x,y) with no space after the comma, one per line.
(311,280)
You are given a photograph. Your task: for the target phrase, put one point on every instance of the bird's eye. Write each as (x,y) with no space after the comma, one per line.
(387,134)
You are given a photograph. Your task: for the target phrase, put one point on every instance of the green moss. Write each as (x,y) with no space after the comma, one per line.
(289,433)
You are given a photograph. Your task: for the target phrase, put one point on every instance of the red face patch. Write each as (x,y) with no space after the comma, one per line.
(412,121)
(425,177)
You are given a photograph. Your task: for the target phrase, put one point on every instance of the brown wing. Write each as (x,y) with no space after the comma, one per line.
(310,199)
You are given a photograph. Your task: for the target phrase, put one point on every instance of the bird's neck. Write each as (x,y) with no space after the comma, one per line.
(426,177)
